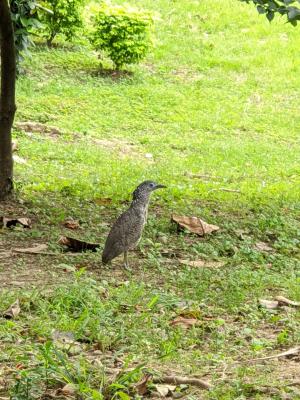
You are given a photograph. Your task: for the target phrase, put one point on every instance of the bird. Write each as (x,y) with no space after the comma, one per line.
(127,230)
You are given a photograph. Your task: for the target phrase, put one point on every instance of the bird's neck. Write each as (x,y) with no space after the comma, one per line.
(140,203)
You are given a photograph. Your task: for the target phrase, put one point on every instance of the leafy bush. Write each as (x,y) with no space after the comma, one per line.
(122,33)
(24,18)
(282,7)
(65,18)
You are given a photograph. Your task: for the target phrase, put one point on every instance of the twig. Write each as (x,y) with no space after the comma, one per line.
(290,352)
(179,380)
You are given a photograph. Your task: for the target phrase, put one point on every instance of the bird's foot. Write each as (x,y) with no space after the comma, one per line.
(127,268)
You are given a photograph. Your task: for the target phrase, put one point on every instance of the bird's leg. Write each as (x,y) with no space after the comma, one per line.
(126,260)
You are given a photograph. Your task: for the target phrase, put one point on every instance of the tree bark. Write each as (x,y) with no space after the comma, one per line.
(7,99)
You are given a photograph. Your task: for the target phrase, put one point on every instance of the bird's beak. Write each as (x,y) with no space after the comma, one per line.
(159,187)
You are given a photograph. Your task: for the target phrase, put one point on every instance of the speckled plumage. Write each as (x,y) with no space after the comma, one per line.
(127,230)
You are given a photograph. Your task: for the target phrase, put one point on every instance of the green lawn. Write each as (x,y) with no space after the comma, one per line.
(213,114)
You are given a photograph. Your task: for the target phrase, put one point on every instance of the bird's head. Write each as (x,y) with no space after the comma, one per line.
(143,191)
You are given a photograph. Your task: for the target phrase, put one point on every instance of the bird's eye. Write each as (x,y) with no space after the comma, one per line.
(151,185)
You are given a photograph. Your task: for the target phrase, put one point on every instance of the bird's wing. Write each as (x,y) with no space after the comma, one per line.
(123,235)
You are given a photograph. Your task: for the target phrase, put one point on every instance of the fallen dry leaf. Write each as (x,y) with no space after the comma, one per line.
(142,386)
(278,302)
(13,311)
(184,322)
(67,390)
(164,390)
(77,245)
(262,246)
(71,224)
(287,302)
(194,224)
(12,222)
(32,250)
(269,304)
(182,380)
(202,263)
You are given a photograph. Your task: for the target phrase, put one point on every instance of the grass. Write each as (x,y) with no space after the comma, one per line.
(213,107)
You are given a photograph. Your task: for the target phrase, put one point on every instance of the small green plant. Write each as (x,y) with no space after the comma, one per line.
(65,18)
(122,33)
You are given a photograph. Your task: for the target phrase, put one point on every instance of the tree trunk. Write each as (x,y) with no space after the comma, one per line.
(7,99)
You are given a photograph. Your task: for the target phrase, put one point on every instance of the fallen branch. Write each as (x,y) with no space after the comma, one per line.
(180,380)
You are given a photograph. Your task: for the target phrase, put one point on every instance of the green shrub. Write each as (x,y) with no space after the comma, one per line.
(65,18)
(122,33)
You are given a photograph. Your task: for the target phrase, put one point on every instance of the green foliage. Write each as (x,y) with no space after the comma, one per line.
(65,18)
(24,17)
(122,33)
(282,7)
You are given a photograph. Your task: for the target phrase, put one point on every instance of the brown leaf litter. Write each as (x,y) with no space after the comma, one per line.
(193,224)
(77,245)
(182,380)
(71,224)
(165,390)
(202,263)
(15,221)
(142,386)
(13,311)
(279,301)
(37,127)
(262,246)
(184,322)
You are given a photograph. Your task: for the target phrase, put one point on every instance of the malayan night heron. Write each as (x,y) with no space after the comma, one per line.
(127,230)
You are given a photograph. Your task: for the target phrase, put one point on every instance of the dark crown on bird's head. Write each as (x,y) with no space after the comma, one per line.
(144,189)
